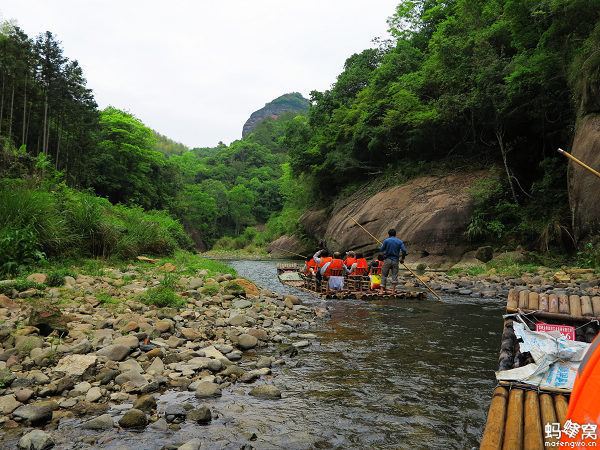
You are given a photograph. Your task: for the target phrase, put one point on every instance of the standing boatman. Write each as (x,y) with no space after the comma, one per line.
(394,252)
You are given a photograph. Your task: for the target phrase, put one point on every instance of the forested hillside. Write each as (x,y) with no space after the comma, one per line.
(462,85)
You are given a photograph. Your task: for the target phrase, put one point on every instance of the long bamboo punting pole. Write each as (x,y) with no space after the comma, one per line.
(561,405)
(577,161)
(533,425)
(513,431)
(494,427)
(405,266)
(548,415)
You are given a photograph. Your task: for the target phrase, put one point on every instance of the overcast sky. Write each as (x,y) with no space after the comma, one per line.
(195,70)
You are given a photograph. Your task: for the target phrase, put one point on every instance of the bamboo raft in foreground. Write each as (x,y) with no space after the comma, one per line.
(519,412)
(358,288)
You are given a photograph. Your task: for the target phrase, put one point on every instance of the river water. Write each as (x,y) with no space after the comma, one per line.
(404,374)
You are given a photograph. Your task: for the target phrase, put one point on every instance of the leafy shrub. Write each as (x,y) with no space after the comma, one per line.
(164,294)
(56,278)
(39,221)
(106,299)
(19,285)
(589,255)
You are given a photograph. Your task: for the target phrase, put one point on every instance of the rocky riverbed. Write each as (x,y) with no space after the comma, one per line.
(93,350)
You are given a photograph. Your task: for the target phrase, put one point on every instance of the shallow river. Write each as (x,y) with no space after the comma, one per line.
(395,374)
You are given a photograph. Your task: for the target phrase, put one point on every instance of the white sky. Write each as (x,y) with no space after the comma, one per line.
(195,70)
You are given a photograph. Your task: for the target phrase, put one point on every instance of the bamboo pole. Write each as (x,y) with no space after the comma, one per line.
(550,315)
(577,161)
(563,304)
(596,305)
(534,301)
(533,425)
(561,405)
(523,299)
(528,387)
(553,303)
(575,305)
(494,427)
(548,415)
(512,302)
(513,431)
(405,266)
(543,302)
(586,306)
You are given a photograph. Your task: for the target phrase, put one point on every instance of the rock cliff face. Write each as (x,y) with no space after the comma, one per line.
(584,187)
(293,102)
(430,214)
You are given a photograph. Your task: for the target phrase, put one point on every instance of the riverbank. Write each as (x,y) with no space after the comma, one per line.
(103,345)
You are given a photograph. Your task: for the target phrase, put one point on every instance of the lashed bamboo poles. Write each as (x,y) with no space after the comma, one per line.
(405,266)
(494,428)
(577,161)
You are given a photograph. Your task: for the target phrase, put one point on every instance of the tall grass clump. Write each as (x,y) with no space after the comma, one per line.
(164,294)
(45,221)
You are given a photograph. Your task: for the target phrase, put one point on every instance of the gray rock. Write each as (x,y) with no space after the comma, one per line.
(36,440)
(37,413)
(235,355)
(8,403)
(134,418)
(247,341)
(224,348)
(145,403)
(238,320)
(301,344)
(132,377)
(208,389)
(193,444)
(465,291)
(266,391)
(484,254)
(160,425)
(264,361)
(157,367)
(200,415)
(241,304)
(175,413)
(130,364)
(129,340)
(114,352)
(93,395)
(103,422)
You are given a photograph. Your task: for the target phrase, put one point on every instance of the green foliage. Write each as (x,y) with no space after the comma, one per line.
(210,289)
(106,299)
(56,278)
(164,294)
(589,255)
(19,285)
(190,264)
(43,220)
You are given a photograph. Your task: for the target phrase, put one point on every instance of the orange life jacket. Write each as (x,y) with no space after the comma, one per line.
(310,264)
(349,261)
(336,265)
(362,267)
(324,260)
(584,404)
(362,263)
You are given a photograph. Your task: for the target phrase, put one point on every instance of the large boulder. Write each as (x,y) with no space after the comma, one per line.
(430,214)
(584,187)
(288,247)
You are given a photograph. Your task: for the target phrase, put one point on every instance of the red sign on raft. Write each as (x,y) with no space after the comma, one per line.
(566,330)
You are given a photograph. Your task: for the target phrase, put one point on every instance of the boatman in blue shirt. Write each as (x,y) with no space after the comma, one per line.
(394,252)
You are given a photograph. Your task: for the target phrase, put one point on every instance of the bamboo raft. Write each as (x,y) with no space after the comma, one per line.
(290,274)
(519,412)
